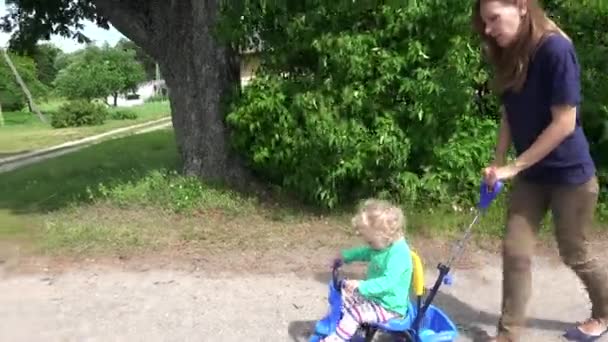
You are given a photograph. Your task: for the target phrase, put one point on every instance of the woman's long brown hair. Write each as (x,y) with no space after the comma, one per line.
(511,64)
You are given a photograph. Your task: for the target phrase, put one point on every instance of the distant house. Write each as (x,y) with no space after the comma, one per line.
(149,89)
(250,61)
(143,92)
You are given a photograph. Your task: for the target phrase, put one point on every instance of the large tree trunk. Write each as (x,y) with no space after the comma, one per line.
(201,74)
(198,90)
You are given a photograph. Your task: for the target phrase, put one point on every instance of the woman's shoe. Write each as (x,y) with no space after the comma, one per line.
(590,330)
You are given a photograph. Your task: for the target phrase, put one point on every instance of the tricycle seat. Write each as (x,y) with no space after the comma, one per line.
(399,324)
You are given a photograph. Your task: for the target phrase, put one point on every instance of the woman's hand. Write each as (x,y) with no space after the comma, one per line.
(493,174)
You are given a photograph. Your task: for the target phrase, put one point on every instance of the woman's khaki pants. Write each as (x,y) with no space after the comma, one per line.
(573,209)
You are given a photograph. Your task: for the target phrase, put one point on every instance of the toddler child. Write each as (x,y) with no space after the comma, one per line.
(384,294)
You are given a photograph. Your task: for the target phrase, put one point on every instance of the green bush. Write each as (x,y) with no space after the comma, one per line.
(123,114)
(380,103)
(388,101)
(156,98)
(178,193)
(79,113)
(584,23)
(11,99)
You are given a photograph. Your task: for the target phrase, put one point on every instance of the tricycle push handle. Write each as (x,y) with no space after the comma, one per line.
(488,193)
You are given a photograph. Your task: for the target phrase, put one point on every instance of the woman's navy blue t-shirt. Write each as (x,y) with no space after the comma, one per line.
(553,79)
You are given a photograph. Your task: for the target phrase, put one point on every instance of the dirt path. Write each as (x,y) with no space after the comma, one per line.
(168,300)
(18,160)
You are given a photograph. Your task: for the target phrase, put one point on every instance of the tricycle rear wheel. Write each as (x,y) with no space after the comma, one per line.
(369,333)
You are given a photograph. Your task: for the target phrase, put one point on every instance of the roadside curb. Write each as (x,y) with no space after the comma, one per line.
(23,159)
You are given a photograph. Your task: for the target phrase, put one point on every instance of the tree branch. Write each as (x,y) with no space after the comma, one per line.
(132,18)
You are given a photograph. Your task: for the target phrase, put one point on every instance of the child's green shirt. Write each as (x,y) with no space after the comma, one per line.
(389,274)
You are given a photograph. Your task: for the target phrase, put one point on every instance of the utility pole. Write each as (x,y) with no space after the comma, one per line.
(26,91)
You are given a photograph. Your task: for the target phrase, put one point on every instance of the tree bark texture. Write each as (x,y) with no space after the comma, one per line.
(201,74)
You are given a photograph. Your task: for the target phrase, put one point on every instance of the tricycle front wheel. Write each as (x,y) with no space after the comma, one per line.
(369,333)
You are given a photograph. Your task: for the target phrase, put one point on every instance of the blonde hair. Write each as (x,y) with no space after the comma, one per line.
(511,64)
(379,222)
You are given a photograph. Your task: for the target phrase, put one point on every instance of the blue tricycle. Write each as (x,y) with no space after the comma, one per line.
(424,322)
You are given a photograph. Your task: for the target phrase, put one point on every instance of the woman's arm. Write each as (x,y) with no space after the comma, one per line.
(561,126)
(504,140)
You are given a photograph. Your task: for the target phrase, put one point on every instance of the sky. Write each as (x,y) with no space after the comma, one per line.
(94,32)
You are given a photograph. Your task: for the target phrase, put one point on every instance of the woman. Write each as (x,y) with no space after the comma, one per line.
(537,78)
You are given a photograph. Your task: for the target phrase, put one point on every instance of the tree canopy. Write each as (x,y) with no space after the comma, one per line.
(38,20)
(100,72)
(141,56)
(45,56)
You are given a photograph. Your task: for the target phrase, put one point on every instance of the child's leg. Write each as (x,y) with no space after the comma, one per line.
(357,311)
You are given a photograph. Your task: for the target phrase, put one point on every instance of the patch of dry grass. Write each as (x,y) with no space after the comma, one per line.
(103,228)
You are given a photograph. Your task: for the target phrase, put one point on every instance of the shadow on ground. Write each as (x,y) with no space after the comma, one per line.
(468,319)
(300,331)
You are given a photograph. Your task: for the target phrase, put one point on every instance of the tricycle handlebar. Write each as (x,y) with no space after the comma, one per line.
(334,274)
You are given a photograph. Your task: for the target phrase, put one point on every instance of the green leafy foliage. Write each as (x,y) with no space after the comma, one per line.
(385,100)
(123,114)
(162,188)
(79,113)
(360,98)
(141,56)
(372,103)
(584,22)
(37,20)
(100,72)
(12,97)
(45,56)
(156,98)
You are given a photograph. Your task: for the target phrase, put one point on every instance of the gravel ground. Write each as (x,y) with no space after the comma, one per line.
(112,303)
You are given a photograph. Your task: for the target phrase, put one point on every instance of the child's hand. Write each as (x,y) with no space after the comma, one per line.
(351,285)
(337,260)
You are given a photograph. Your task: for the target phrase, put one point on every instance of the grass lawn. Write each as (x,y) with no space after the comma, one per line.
(123,196)
(25,132)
